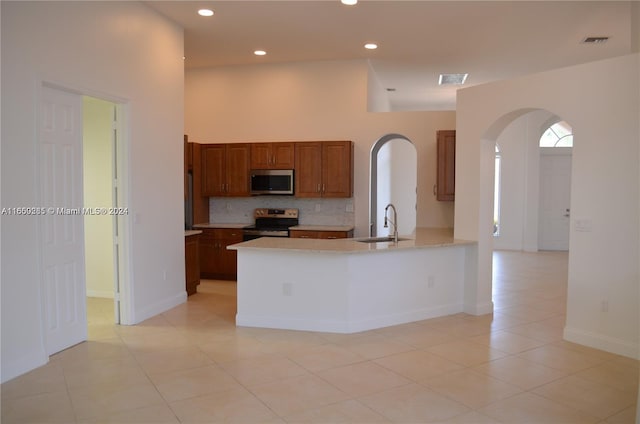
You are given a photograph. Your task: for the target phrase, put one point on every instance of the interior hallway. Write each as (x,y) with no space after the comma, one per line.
(191,364)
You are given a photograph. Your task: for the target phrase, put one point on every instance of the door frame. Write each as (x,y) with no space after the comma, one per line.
(553,151)
(121,127)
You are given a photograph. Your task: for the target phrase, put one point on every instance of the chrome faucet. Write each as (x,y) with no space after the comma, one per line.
(395,222)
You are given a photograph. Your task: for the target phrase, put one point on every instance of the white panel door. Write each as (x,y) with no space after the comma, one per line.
(62,239)
(555,199)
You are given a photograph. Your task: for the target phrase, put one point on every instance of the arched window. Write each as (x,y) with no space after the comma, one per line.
(559,134)
(496,195)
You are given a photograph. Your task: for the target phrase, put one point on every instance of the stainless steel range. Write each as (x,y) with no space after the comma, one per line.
(271,223)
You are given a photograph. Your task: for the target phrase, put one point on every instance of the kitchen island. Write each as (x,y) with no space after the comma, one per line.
(347,285)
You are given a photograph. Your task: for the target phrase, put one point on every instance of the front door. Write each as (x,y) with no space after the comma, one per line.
(61,229)
(555,196)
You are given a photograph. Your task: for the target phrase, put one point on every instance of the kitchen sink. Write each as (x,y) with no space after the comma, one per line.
(380,240)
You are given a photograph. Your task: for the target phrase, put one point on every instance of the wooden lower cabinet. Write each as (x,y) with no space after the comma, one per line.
(192,262)
(215,260)
(320,234)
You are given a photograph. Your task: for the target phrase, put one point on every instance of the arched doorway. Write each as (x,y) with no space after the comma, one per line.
(393,179)
(532,184)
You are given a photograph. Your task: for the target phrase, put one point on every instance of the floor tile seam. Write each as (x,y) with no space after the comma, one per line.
(205,395)
(546,341)
(356,397)
(535,320)
(476,408)
(568,404)
(257,397)
(633,391)
(5,398)
(530,392)
(314,371)
(365,361)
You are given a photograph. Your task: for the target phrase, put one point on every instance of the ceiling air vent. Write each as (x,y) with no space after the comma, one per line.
(452,79)
(595,40)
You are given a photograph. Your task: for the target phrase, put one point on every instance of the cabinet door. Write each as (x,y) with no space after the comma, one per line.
(209,254)
(237,164)
(229,258)
(446,177)
(283,156)
(337,169)
(260,155)
(308,169)
(213,169)
(191,262)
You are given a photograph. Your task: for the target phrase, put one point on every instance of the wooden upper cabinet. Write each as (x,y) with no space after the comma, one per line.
(337,169)
(238,169)
(225,169)
(272,155)
(446,173)
(308,169)
(324,169)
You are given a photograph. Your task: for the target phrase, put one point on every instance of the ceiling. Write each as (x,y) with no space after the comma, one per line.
(417,40)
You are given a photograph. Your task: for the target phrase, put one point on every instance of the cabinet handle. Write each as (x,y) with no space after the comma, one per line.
(435,191)
(305,236)
(323,188)
(332,237)
(318,190)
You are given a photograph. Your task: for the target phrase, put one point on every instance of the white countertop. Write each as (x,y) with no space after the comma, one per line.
(232,226)
(321,228)
(424,238)
(188,233)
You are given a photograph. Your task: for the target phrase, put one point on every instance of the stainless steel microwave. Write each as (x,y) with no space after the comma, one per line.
(272,181)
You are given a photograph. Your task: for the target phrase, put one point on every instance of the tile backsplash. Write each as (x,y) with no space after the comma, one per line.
(312,211)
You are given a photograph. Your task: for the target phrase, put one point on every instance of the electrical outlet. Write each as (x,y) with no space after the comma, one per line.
(287,289)
(164,274)
(604,306)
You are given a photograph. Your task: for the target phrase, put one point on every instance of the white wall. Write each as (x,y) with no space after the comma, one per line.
(603,263)
(97,162)
(313,101)
(125,52)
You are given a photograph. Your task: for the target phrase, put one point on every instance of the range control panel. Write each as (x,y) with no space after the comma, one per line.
(275,213)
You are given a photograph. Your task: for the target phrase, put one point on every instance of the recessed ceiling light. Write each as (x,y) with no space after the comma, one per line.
(371,46)
(205,12)
(349,2)
(595,40)
(260,53)
(452,79)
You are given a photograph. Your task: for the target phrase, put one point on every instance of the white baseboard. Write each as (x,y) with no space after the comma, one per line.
(479,308)
(150,311)
(26,363)
(344,326)
(602,342)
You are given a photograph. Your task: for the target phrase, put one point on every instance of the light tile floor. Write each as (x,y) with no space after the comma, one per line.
(192,365)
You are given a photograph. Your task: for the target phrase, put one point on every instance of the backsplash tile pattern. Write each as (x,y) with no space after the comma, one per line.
(224,210)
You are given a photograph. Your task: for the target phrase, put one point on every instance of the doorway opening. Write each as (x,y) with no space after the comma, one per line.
(84,196)
(100,192)
(393,179)
(531,188)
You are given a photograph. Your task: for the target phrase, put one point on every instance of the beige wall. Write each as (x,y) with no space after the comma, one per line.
(97,178)
(313,101)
